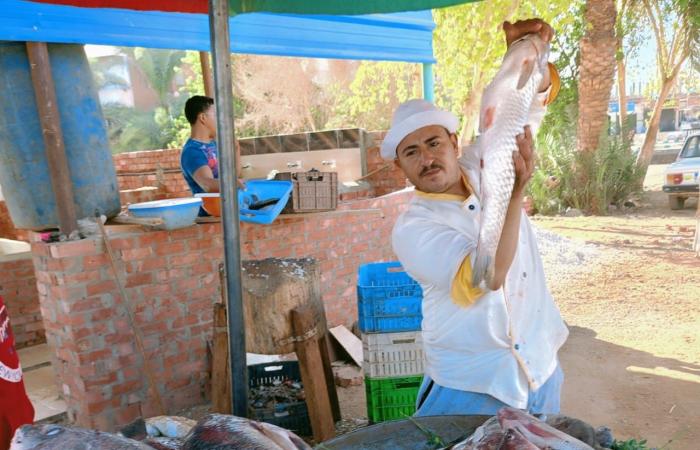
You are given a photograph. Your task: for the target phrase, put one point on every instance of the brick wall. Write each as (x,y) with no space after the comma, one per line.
(161,169)
(157,168)
(171,281)
(390,178)
(19,292)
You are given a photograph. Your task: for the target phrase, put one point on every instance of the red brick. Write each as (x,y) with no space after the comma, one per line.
(97,355)
(67,292)
(186,284)
(125,243)
(138,279)
(95,261)
(147,265)
(136,253)
(191,232)
(152,238)
(169,248)
(155,290)
(101,287)
(169,275)
(126,387)
(185,260)
(75,248)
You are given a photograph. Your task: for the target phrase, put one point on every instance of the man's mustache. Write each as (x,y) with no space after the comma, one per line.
(429,168)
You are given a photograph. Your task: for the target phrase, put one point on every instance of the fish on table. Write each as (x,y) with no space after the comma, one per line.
(52,436)
(505,107)
(513,429)
(213,432)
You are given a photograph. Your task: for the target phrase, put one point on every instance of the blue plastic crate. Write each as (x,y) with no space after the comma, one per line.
(388,299)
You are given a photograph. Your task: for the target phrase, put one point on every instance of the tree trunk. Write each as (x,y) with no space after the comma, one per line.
(647,151)
(597,70)
(621,87)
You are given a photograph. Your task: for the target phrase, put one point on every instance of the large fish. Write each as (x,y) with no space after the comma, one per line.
(505,106)
(538,432)
(50,436)
(224,432)
(512,429)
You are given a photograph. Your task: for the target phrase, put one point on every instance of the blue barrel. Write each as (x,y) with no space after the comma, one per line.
(24,172)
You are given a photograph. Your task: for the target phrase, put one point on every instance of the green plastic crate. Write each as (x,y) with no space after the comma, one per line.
(391,398)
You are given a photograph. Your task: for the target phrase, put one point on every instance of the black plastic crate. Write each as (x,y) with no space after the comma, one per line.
(293,416)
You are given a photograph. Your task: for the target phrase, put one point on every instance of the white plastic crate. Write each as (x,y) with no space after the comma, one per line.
(392,354)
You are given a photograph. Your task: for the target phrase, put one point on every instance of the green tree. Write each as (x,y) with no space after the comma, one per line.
(629,36)
(676,28)
(377,89)
(469,46)
(159,68)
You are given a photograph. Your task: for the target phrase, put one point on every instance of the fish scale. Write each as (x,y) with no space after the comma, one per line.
(509,106)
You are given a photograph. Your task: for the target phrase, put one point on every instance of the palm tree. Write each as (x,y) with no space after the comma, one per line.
(159,68)
(596,73)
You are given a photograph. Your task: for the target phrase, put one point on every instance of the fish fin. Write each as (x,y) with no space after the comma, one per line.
(526,72)
(481,262)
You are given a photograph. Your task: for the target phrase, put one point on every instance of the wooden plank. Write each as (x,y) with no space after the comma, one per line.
(349,342)
(220,379)
(47,108)
(145,221)
(208,219)
(312,374)
(324,348)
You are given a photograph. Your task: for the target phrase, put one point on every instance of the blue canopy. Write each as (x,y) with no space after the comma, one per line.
(388,37)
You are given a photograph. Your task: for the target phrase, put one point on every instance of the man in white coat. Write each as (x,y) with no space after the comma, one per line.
(485,347)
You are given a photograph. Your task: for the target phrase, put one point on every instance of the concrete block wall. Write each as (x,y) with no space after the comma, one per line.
(19,292)
(171,280)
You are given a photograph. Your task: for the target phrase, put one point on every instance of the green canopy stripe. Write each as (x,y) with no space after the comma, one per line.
(338,7)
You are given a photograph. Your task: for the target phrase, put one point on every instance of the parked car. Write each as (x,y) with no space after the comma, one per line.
(683,175)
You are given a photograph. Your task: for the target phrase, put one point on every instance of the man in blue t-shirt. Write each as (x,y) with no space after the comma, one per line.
(199,159)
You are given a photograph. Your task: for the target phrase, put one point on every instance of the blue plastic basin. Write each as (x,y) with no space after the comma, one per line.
(176,213)
(258,192)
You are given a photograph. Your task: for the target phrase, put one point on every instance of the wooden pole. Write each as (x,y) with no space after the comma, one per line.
(312,373)
(220,378)
(207,76)
(221,58)
(47,108)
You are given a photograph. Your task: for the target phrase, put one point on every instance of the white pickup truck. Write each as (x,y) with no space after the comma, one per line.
(683,175)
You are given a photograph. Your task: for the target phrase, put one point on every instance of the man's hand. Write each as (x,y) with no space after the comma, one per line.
(515,31)
(524,160)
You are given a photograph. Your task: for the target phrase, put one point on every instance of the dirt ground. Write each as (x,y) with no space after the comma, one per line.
(632,361)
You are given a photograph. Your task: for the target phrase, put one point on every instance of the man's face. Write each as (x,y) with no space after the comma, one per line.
(208,119)
(428,157)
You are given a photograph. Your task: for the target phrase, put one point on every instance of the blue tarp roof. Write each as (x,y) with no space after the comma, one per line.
(389,37)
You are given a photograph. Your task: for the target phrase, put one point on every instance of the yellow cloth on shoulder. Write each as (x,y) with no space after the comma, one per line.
(463,293)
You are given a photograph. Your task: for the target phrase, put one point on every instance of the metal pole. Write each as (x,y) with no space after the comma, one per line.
(47,108)
(223,93)
(207,76)
(428,82)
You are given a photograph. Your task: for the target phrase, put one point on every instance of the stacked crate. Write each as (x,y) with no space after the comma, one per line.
(389,310)
(312,191)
